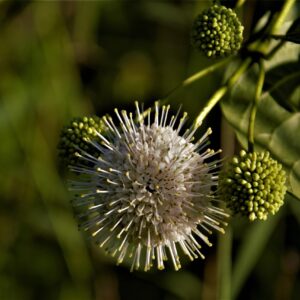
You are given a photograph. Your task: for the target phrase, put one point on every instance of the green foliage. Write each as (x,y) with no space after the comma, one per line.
(283,85)
(276,127)
(64,59)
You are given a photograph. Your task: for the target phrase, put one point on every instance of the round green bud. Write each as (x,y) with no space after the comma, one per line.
(217,31)
(259,188)
(75,137)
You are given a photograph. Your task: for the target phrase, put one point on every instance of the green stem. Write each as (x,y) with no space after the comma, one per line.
(192,79)
(288,4)
(239,3)
(292,195)
(205,72)
(224,265)
(258,91)
(199,75)
(218,95)
(262,45)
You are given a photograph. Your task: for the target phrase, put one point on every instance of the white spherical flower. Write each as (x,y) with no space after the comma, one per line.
(148,195)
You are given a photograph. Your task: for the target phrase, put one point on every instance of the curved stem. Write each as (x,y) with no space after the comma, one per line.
(218,95)
(258,91)
(198,75)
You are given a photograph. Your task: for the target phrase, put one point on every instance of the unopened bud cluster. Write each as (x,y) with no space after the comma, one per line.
(253,184)
(217,31)
(75,138)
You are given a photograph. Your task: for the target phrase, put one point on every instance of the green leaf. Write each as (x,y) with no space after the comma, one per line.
(295,27)
(282,82)
(289,37)
(277,125)
(292,35)
(253,245)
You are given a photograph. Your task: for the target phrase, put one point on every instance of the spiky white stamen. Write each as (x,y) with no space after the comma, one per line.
(145,195)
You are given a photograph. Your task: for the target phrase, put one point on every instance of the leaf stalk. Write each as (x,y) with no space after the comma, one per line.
(258,92)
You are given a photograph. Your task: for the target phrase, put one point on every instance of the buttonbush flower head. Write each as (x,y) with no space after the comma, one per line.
(253,184)
(75,136)
(217,31)
(148,196)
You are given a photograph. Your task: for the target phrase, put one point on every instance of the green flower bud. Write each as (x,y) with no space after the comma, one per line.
(217,31)
(253,184)
(76,135)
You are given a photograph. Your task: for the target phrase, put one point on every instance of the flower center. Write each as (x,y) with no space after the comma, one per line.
(149,188)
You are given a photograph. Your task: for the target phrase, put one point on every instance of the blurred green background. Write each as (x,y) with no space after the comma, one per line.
(64,59)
